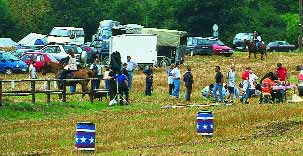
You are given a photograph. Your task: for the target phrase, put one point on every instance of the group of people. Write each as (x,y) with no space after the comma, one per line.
(174,79)
(249,85)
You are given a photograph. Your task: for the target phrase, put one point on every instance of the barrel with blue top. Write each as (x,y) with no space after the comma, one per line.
(85,137)
(205,123)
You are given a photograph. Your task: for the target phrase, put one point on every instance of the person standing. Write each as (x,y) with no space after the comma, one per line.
(231,78)
(122,87)
(218,86)
(149,80)
(188,79)
(170,79)
(252,83)
(281,72)
(245,85)
(32,70)
(300,83)
(130,68)
(106,77)
(69,65)
(176,75)
(96,68)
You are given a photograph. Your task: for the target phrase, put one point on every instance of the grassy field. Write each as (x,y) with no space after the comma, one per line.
(144,128)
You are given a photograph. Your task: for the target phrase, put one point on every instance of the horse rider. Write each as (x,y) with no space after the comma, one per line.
(257,39)
(69,64)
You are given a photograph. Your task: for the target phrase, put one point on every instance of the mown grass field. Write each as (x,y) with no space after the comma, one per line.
(144,128)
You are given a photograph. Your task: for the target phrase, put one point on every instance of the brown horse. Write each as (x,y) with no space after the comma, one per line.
(80,74)
(252,48)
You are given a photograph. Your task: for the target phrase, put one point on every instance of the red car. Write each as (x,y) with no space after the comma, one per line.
(39,57)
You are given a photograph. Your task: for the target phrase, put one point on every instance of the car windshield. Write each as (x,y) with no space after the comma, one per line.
(76,49)
(8,56)
(284,43)
(60,32)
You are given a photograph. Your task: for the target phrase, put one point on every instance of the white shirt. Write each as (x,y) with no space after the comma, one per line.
(106,75)
(98,66)
(71,65)
(32,72)
(176,73)
(231,78)
(131,65)
(252,79)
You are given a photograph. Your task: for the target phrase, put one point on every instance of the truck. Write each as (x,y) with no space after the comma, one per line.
(171,45)
(66,35)
(141,47)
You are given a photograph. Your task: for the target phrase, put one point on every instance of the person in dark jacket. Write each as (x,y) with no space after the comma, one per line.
(188,81)
(149,80)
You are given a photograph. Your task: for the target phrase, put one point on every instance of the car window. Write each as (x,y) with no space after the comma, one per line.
(38,57)
(9,56)
(49,49)
(26,57)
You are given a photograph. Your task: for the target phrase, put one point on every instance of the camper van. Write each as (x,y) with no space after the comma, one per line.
(66,35)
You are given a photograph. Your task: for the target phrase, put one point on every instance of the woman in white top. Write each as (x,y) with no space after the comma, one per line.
(69,65)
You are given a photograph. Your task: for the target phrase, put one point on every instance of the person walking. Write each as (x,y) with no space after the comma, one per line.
(252,83)
(170,79)
(245,85)
(149,80)
(231,78)
(176,75)
(188,81)
(123,87)
(130,68)
(218,86)
(32,70)
(97,68)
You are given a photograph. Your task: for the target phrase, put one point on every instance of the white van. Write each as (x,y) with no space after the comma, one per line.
(66,35)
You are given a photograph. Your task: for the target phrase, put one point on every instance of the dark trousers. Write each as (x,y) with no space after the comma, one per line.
(123,89)
(64,74)
(96,83)
(112,89)
(149,84)
(171,87)
(188,91)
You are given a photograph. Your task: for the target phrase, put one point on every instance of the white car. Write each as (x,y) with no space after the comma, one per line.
(60,52)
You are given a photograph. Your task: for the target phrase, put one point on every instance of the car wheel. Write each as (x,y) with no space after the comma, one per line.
(228,55)
(8,71)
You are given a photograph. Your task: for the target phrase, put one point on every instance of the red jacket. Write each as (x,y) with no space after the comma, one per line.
(267,85)
(281,73)
(245,75)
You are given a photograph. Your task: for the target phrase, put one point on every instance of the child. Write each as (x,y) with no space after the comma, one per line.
(32,70)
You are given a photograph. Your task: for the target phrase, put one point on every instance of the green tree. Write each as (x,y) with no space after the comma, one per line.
(7,26)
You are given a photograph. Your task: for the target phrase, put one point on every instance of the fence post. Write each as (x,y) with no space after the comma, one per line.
(91,93)
(48,91)
(64,91)
(33,91)
(0,92)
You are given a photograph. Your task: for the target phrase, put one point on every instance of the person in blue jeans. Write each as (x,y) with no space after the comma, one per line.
(218,86)
(176,74)
(188,81)
(149,80)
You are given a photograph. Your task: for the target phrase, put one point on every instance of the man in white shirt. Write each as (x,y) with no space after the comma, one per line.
(96,67)
(130,68)
(231,77)
(252,80)
(176,74)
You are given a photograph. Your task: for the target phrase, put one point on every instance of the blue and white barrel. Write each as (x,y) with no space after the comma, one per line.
(85,137)
(205,123)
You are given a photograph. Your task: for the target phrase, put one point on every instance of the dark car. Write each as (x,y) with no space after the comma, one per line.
(281,46)
(208,46)
(10,63)
(100,49)
(238,41)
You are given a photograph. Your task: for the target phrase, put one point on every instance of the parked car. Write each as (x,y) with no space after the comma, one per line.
(11,64)
(238,41)
(209,46)
(98,48)
(19,52)
(60,52)
(281,46)
(39,57)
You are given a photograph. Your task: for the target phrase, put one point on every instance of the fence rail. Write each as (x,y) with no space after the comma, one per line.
(47,89)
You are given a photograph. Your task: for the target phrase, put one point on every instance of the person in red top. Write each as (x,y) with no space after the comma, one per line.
(266,86)
(281,72)
(245,85)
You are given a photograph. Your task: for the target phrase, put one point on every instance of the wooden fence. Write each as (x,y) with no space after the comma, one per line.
(47,89)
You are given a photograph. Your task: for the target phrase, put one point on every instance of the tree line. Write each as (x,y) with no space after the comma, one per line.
(275,20)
